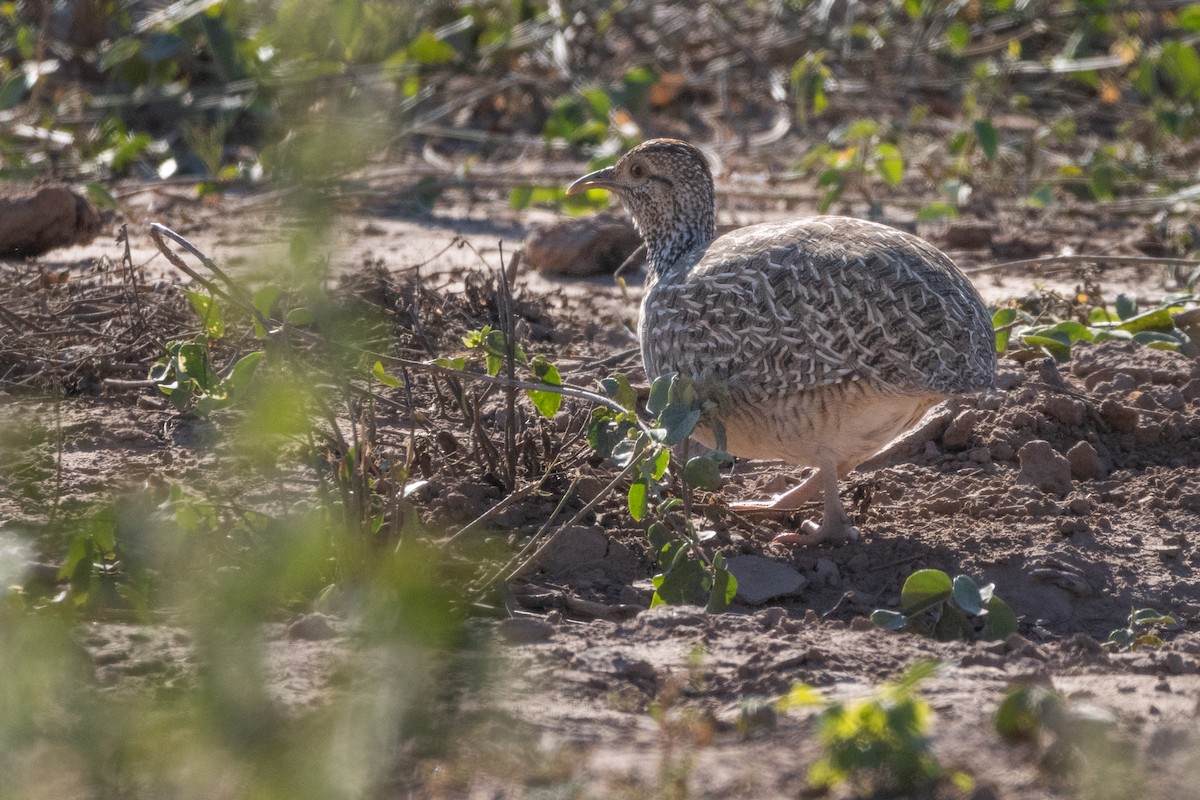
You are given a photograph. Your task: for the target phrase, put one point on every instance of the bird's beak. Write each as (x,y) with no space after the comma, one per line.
(600,179)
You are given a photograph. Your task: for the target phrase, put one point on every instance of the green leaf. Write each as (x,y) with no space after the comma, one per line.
(97,192)
(429,50)
(684,582)
(1148,616)
(966,594)
(801,695)
(660,392)
(1001,320)
(1188,18)
(925,589)
(889,620)
(451,363)
(988,138)
(243,370)
(660,537)
(958,36)
(620,389)
(1126,305)
(890,164)
(121,51)
(661,462)
(1158,319)
(1102,315)
(13,90)
(264,302)
(724,587)
(639,500)
(1042,197)
(546,402)
(679,421)
(952,625)
(1020,714)
(381,375)
(703,473)
(935,211)
(1158,341)
(300,316)
(1001,622)
(519,197)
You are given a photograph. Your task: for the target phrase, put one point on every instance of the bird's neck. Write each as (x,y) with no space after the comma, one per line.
(668,248)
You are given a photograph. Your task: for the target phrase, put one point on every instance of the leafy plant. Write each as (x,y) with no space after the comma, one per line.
(934,605)
(879,743)
(857,156)
(687,571)
(492,344)
(186,375)
(1139,630)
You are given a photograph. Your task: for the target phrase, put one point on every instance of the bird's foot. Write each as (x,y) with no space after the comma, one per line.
(832,532)
(791,500)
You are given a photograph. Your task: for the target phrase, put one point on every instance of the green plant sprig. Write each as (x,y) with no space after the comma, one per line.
(959,608)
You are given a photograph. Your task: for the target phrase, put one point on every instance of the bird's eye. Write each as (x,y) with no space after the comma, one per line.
(637,170)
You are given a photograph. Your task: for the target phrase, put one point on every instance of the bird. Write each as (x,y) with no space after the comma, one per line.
(820,339)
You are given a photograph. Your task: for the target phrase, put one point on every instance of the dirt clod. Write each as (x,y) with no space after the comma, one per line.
(1044,467)
(1085,462)
(592,245)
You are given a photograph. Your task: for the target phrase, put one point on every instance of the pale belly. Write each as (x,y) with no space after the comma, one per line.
(838,424)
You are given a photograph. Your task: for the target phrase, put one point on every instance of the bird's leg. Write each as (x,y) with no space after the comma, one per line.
(836,526)
(806,491)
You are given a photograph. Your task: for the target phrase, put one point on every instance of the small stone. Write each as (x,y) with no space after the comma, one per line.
(760,579)
(980,455)
(312,627)
(1066,409)
(1169,397)
(862,624)
(958,434)
(1085,462)
(1120,417)
(525,630)
(1148,432)
(1002,451)
(1080,506)
(1044,467)
(1190,501)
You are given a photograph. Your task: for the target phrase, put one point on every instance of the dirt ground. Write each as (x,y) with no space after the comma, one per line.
(1074,533)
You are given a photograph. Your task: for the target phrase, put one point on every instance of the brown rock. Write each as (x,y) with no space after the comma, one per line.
(1044,467)
(1086,464)
(1065,409)
(39,219)
(958,434)
(586,246)
(1120,417)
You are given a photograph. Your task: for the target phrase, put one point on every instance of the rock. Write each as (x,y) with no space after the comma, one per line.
(961,427)
(965,234)
(585,246)
(312,627)
(525,630)
(1044,467)
(37,220)
(1120,417)
(1065,409)
(827,571)
(761,579)
(1086,464)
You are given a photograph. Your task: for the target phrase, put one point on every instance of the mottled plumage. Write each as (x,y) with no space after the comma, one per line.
(825,337)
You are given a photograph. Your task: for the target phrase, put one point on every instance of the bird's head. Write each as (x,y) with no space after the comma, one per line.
(667,188)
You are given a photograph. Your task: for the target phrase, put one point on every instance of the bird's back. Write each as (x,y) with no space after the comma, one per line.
(778,308)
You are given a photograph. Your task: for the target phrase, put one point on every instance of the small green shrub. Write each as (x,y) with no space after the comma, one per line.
(1139,630)
(934,605)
